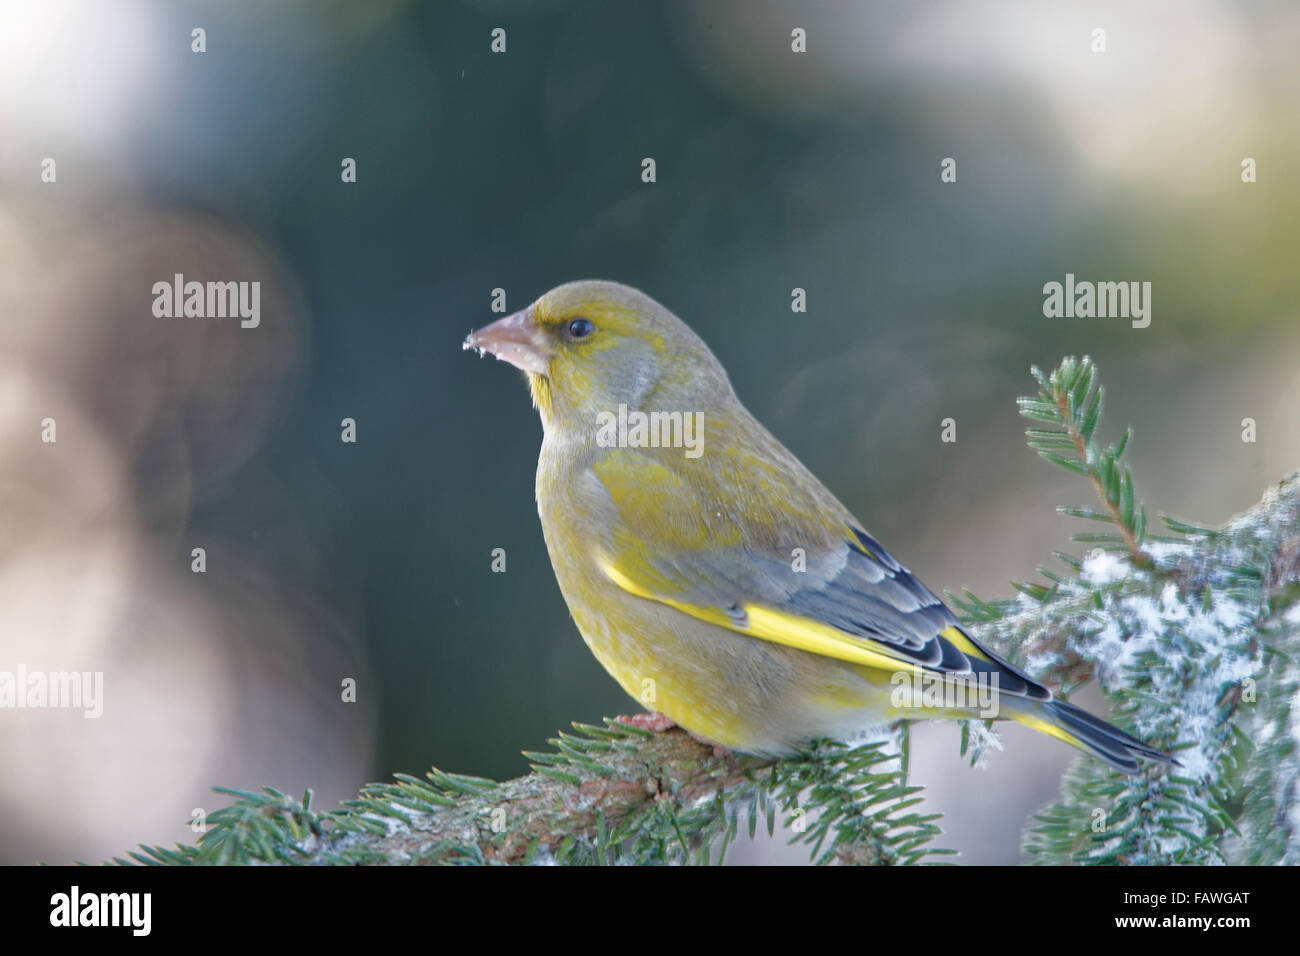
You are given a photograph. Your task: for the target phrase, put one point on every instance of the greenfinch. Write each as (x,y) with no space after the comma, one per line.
(711,574)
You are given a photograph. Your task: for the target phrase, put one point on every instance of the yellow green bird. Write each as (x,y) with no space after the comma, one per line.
(714,577)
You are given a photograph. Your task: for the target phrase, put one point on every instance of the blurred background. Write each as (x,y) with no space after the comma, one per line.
(521,170)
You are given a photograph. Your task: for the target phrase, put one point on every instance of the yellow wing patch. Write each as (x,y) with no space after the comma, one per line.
(1046,727)
(816,638)
(964,643)
(778,627)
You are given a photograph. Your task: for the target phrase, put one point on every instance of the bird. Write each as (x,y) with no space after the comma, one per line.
(712,575)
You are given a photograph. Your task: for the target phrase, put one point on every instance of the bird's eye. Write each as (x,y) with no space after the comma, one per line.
(580,328)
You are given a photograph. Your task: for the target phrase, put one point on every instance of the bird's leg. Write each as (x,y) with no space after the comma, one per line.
(654,722)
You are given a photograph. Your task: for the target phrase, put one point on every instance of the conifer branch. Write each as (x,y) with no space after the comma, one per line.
(604,795)
(1193,638)
(1071,400)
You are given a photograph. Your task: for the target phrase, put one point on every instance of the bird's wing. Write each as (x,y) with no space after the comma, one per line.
(844,597)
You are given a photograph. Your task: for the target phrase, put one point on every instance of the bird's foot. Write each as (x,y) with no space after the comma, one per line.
(654,722)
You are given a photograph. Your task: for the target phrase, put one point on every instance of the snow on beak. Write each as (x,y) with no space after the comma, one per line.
(515,339)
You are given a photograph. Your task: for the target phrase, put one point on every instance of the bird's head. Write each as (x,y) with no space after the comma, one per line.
(589,347)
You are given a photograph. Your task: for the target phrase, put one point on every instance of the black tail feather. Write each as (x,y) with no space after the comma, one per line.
(1107,741)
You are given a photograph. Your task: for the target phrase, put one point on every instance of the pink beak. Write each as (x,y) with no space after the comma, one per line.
(515,339)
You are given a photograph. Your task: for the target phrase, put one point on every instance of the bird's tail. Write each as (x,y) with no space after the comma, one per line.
(1091,734)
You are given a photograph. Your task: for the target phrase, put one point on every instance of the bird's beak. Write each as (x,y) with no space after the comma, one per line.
(515,339)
